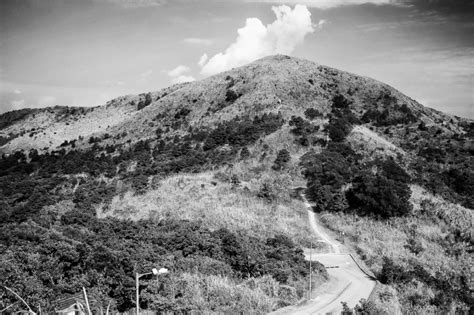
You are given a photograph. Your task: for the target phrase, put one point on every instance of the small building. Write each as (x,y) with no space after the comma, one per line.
(73,304)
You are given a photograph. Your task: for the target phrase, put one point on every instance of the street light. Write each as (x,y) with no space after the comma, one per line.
(155,272)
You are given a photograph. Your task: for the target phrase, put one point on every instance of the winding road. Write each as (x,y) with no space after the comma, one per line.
(348,282)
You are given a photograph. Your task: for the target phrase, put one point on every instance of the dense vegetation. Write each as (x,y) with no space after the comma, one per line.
(51,242)
(59,253)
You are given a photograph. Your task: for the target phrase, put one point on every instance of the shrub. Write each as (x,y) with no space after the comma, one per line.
(338,129)
(283,157)
(303,129)
(231,96)
(379,196)
(391,170)
(144,103)
(312,113)
(244,153)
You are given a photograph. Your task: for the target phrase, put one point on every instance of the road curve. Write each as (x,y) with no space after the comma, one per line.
(347,282)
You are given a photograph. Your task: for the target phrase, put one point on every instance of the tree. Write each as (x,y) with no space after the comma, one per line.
(283,157)
(312,113)
(244,153)
(379,196)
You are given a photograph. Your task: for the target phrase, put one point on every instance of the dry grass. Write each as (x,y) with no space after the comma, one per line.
(49,128)
(365,141)
(217,204)
(209,294)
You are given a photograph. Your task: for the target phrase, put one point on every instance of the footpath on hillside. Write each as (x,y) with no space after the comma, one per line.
(348,281)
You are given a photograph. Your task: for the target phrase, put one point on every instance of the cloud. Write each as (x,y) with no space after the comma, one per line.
(321,23)
(179,70)
(256,40)
(17,91)
(178,74)
(198,41)
(328,4)
(202,60)
(182,79)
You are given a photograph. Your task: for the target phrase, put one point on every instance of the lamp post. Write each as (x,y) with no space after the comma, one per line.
(155,272)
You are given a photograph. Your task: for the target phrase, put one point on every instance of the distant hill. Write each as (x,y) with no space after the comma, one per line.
(216,160)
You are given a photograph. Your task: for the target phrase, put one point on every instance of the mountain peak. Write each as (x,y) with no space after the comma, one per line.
(272,84)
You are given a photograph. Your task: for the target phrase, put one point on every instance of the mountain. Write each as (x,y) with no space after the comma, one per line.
(199,177)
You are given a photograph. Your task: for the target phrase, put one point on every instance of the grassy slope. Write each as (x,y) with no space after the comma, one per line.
(217,204)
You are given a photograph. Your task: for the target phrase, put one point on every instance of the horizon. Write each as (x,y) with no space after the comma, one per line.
(71,53)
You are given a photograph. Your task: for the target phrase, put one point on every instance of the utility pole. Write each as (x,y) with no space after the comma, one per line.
(310,262)
(138,293)
(155,272)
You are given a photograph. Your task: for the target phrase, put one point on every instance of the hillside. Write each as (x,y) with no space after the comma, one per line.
(198,177)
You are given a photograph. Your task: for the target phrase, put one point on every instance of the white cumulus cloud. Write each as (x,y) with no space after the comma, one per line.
(182,78)
(179,74)
(256,40)
(179,70)
(202,60)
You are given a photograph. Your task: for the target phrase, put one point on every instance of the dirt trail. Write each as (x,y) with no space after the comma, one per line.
(347,282)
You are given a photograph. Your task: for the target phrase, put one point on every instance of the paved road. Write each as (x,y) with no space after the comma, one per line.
(347,283)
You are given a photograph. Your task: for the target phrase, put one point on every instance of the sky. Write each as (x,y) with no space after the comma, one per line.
(87,52)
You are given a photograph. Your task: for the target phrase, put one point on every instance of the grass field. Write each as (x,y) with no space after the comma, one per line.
(202,197)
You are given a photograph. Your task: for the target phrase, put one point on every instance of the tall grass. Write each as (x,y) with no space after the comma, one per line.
(205,294)
(216,204)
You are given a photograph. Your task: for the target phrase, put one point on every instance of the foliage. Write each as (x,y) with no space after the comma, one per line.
(447,286)
(341,119)
(144,103)
(312,113)
(387,117)
(103,254)
(379,196)
(303,130)
(363,308)
(283,157)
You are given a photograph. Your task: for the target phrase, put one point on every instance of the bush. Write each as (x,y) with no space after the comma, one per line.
(231,96)
(338,129)
(312,113)
(244,153)
(283,157)
(144,103)
(303,130)
(379,196)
